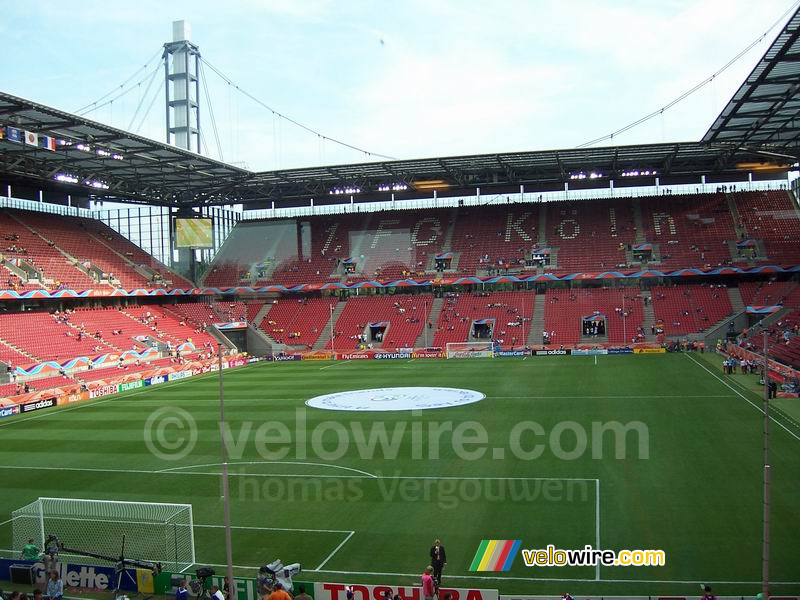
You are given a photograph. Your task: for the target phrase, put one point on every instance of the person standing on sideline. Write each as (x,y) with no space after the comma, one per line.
(438,561)
(182,593)
(427,583)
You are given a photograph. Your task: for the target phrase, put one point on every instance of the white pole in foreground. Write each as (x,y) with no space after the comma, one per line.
(333,350)
(226,497)
(765,540)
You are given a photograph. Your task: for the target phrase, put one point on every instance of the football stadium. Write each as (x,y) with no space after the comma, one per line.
(529,374)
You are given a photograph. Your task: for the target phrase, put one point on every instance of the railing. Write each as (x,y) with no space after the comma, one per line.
(353,207)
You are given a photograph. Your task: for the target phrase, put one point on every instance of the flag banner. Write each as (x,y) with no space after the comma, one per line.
(47,142)
(14,134)
(31,138)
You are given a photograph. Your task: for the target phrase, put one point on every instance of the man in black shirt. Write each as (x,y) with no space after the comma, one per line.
(438,561)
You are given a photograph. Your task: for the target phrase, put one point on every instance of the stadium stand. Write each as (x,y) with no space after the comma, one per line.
(510,313)
(66,249)
(23,244)
(405,316)
(690,230)
(689,308)
(603,226)
(766,293)
(63,339)
(693,230)
(565,310)
(298,322)
(771,216)
(168,327)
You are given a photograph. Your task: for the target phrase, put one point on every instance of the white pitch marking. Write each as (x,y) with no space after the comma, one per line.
(335,550)
(338,362)
(743,397)
(269,462)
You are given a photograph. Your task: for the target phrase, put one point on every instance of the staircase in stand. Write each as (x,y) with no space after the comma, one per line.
(649,320)
(434,310)
(737,303)
(536,332)
(638,222)
(325,334)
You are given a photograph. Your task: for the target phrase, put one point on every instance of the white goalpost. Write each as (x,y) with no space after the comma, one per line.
(153,532)
(470,349)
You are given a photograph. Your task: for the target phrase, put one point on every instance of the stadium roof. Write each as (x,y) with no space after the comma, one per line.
(764,111)
(132,166)
(757,131)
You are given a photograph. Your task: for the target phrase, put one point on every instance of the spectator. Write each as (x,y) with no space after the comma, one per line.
(216,593)
(427,583)
(182,593)
(279,593)
(55,587)
(302,594)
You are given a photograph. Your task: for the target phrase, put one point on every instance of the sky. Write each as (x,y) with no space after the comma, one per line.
(406,78)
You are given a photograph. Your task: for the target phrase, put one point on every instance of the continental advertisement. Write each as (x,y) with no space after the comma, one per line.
(649,350)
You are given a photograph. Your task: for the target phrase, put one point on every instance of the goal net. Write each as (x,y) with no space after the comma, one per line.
(470,349)
(153,531)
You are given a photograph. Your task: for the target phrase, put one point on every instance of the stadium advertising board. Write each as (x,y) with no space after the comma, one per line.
(75,397)
(318,356)
(38,405)
(7,411)
(589,351)
(286,357)
(155,380)
(103,390)
(391,355)
(179,375)
(337,591)
(427,354)
(130,385)
(354,356)
(75,576)
(512,353)
(624,350)
(649,350)
(559,352)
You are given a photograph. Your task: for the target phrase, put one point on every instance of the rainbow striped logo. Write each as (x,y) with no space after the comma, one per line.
(495,555)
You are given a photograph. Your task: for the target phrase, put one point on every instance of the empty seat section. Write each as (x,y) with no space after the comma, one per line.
(405,315)
(686,309)
(511,313)
(565,310)
(298,321)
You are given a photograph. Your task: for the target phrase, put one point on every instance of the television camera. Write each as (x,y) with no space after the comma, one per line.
(277,572)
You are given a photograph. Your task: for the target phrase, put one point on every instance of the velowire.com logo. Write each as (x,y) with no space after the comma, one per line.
(495,555)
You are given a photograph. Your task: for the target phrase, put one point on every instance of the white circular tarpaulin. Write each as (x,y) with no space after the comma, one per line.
(396,398)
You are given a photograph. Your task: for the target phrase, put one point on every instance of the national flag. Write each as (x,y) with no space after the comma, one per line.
(31,138)
(2,133)
(495,555)
(47,142)
(14,134)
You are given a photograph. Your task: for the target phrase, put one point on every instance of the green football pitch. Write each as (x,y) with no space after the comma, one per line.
(690,481)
